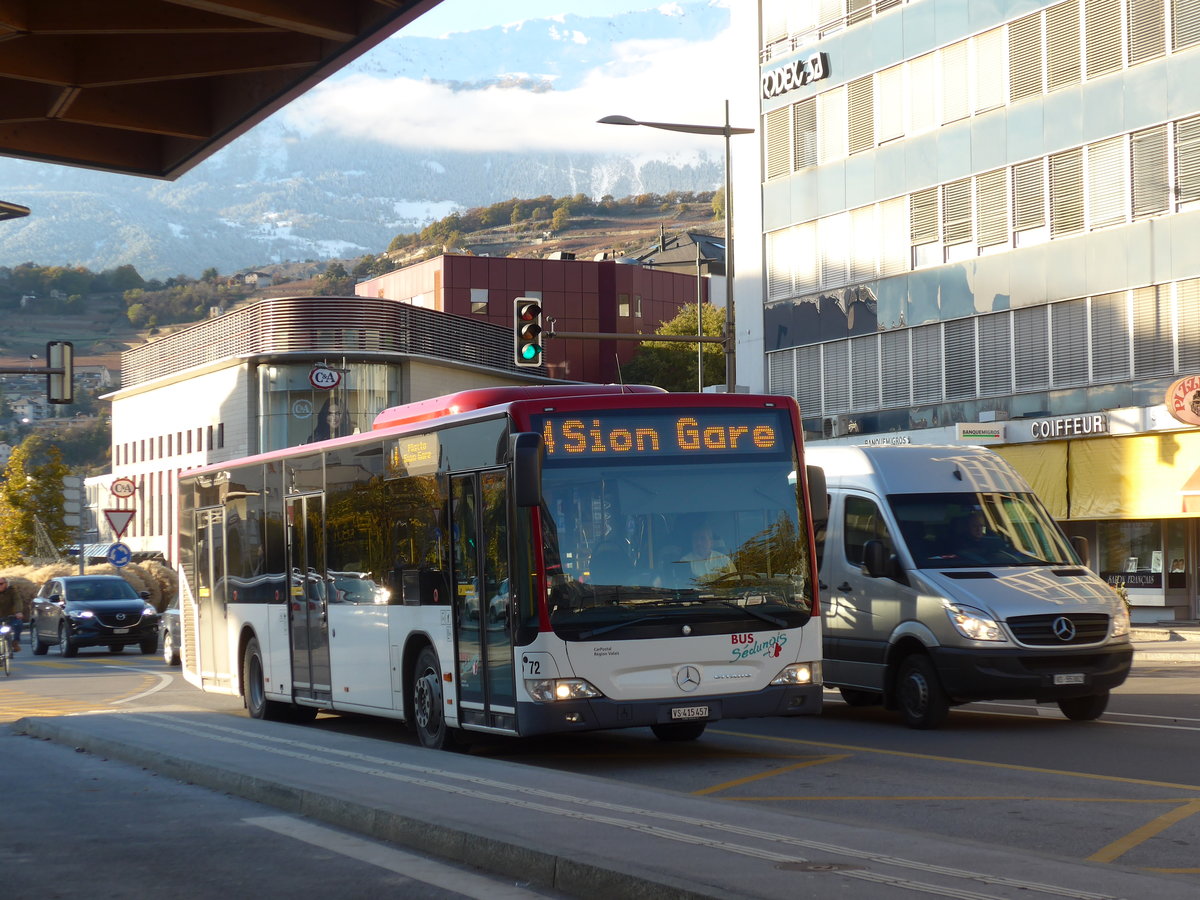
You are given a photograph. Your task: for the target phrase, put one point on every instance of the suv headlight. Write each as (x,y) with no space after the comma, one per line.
(973,624)
(547,690)
(80,614)
(149,610)
(1120,621)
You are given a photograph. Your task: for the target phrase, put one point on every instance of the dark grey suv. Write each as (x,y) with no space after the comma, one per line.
(76,611)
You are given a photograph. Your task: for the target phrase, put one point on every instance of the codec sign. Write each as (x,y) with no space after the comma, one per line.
(592,435)
(795,74)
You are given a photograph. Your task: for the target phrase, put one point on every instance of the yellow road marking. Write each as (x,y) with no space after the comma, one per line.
(18,704)
(738,782)
(1012,767)
(1151,829)
(808,798)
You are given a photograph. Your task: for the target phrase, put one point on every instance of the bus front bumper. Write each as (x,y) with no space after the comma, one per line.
(603,712)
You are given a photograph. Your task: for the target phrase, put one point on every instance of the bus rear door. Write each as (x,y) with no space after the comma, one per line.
(308,612)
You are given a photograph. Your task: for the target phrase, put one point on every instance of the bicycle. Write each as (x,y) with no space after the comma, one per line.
(6,651)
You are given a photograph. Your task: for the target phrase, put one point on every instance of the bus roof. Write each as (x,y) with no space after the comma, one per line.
(482,398)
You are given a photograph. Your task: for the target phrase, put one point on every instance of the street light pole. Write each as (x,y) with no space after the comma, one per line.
(726,132)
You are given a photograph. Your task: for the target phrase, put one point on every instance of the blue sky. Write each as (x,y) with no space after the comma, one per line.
(423,113)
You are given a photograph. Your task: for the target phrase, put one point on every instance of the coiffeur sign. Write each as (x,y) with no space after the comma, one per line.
(1183,400)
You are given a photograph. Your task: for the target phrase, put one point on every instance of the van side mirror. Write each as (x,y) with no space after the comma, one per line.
(525,450)
(818,499)
(875,559)
(1080,543)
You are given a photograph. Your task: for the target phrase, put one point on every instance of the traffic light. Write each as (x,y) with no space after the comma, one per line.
(60,388)
(527,331)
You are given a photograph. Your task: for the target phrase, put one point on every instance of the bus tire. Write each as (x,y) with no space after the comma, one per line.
(678,731)
(254,688)
(919,694)
(1084,709)
(427,702)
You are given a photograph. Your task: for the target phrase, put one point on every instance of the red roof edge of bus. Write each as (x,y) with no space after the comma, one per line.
(482,398)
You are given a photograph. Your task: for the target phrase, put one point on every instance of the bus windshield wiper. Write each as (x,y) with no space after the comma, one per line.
(758,614)
(596,632)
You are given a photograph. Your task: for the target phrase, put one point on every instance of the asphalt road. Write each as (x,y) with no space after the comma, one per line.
(1121,790)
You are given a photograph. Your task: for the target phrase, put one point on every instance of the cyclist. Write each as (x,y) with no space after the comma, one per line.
(12,611)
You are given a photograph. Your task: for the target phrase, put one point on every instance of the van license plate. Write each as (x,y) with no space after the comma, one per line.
(690,712)
(1069,679)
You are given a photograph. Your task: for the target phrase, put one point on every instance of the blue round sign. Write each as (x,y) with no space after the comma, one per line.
(119,555)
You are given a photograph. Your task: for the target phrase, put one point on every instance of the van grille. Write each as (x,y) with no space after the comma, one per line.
(1049,630)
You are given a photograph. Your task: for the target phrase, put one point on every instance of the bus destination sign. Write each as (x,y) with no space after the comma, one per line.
(694,433)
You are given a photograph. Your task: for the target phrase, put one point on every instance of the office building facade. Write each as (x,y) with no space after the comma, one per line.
(981,224)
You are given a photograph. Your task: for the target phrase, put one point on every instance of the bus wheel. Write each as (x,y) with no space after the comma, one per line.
(254,688)
(1084,709)
(427,701)
(923,703)
(678,731)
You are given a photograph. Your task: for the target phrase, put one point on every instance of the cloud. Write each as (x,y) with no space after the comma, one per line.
(659,80)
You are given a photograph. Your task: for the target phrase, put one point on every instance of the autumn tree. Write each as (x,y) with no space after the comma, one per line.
(672,364)
(32,491)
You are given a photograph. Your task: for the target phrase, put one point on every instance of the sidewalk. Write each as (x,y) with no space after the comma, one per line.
(582,836)
(1174,642)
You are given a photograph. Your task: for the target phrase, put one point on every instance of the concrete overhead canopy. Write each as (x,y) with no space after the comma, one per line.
(154,87)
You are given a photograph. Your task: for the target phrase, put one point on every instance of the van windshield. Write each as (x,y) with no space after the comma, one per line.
(979,530)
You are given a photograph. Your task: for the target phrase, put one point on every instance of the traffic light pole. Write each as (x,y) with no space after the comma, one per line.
(59,371)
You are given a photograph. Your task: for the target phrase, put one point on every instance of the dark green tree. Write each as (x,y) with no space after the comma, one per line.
(671,364)
(32,491)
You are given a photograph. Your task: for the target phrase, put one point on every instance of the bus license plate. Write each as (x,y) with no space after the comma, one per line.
(1068,679)
(689,712)
(120,630)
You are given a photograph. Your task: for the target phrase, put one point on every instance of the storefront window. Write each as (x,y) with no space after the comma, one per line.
(1176,553)
(1132,552)
(295,412)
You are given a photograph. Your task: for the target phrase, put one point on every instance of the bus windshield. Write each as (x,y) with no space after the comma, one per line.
(987,529)
(639,550)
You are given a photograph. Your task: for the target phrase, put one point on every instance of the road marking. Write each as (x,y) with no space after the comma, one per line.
(1151,829)
(18,704)
(905,754)
(711,833)
(410,865)
(738,782)
(163,681)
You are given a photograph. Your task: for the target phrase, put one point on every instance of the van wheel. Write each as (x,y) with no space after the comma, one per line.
(858,697)
(1084,709)
(922,702)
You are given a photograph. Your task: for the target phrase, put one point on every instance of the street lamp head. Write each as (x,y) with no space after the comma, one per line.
(617,120)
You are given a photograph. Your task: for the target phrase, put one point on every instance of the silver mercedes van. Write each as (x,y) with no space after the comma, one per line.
(944,580)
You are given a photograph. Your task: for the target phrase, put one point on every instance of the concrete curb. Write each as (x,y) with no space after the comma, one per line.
(574,876)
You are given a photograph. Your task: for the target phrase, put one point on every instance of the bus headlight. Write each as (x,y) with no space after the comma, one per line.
(1120,621)
(547,690)
(973,624)
(799,673)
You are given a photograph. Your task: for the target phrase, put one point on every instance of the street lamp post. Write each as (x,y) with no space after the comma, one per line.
(725,131)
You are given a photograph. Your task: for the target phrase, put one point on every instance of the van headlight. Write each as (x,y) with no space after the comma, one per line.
(547,690)
(1120,621)
(973,624)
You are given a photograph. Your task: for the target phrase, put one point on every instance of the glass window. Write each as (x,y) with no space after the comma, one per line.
(294,412)
(479,301)
(864,522)
(1132,551)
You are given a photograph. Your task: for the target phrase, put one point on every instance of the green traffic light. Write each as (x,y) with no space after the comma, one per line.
(530,351)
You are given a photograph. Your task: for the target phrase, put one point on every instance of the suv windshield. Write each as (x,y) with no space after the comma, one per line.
(979,530)
(715,546)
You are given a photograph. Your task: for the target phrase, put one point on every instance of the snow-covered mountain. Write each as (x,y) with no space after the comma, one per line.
(327,178)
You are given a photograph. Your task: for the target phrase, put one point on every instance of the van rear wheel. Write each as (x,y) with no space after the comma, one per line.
(1084,709)
(922,701)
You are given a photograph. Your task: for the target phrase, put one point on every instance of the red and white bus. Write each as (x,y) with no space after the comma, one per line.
(520,561)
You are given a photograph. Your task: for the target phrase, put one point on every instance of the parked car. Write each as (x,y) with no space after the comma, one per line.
(76,611)
(168,633)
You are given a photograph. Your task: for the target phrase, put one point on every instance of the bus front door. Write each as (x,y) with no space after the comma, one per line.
(482,600)
(308,612)
(210,597)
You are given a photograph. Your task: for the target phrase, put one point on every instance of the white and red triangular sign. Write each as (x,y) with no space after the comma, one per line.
(118,520)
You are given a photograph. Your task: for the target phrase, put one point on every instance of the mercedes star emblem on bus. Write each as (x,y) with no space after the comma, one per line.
(688,678)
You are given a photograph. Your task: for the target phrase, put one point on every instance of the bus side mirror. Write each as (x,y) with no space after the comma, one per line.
(1080,543)
(525,450)
(818,500)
